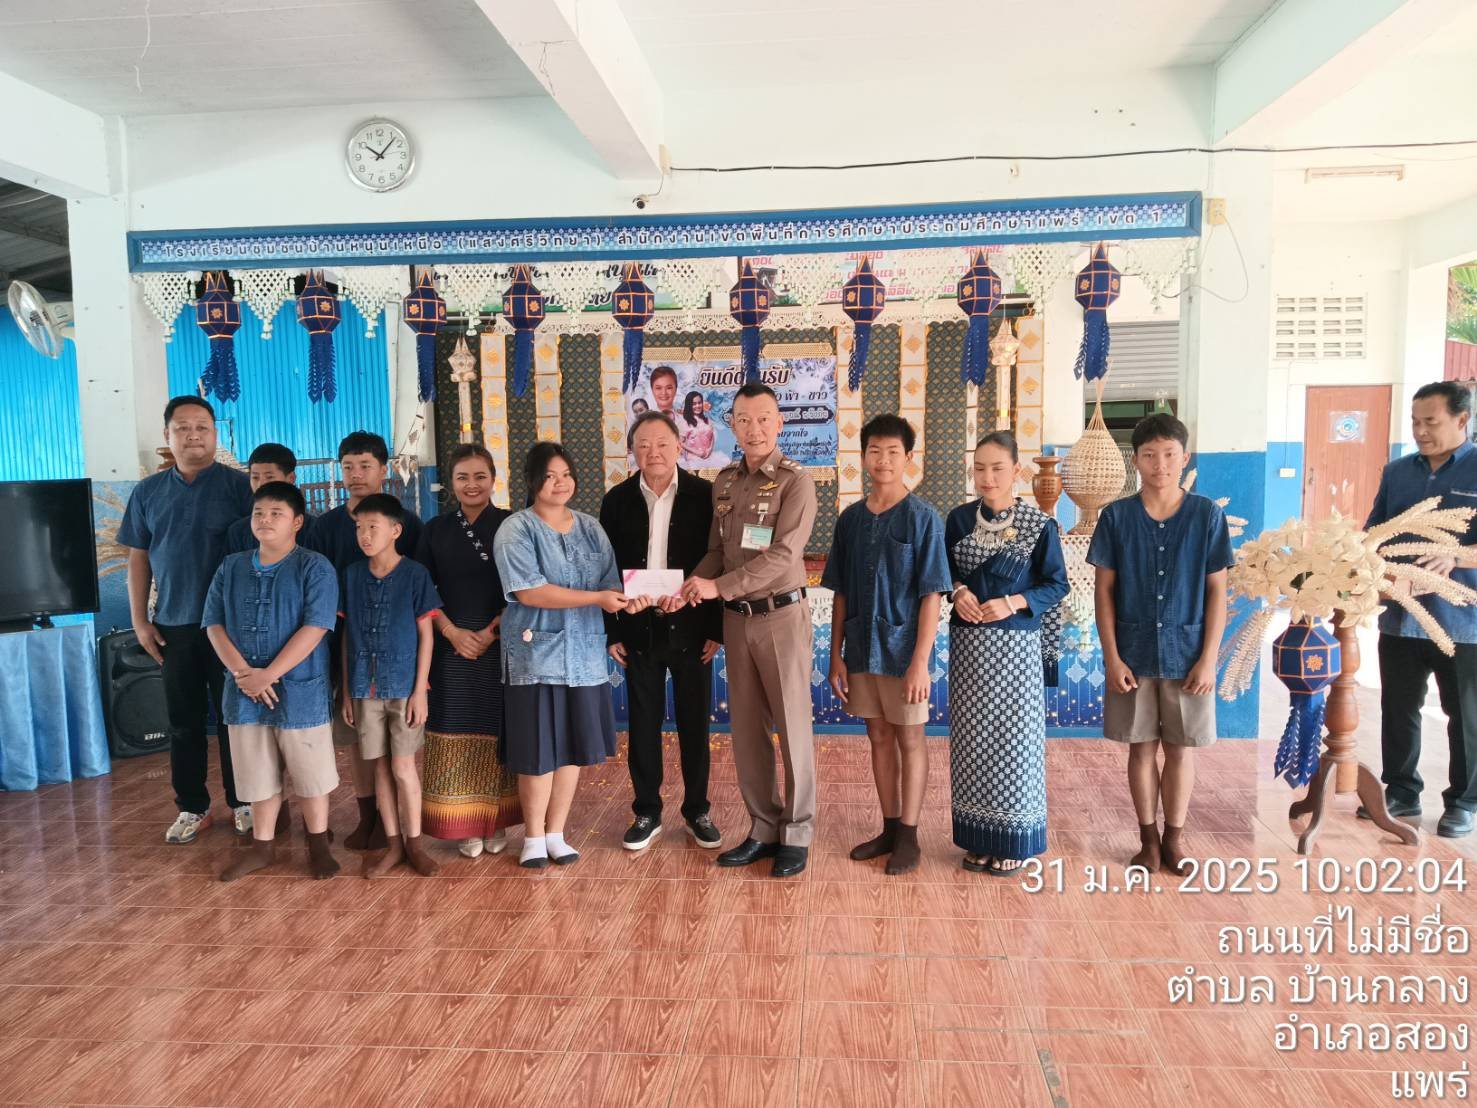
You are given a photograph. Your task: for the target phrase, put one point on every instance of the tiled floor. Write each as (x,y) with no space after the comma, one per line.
(129,975)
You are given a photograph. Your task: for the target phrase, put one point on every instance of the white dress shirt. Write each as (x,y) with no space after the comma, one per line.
(659,518)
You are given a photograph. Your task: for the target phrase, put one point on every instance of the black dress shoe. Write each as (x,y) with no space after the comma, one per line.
(1455,823)
(747,853)
(790,860)
(1396,810)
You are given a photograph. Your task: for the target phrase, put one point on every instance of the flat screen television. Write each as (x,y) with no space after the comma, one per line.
(48,551)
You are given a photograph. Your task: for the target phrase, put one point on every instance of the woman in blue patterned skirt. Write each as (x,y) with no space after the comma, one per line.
(1004,635)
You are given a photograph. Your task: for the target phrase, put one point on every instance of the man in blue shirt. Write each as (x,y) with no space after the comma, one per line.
(888,573)
(1445,467)
(176,523)
(364,463)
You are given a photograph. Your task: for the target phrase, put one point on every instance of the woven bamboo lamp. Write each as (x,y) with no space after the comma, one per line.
(1093,473)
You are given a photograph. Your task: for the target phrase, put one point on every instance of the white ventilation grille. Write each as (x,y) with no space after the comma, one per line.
(1318,328)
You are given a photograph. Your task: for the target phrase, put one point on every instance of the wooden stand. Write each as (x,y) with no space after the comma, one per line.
(1338,761)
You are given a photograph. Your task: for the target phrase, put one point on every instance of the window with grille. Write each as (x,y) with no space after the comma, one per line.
(1318,328)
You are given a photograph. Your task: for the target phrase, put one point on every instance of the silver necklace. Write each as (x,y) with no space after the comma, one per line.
(992,534)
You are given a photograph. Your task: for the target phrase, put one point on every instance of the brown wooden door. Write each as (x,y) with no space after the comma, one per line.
(1346,443)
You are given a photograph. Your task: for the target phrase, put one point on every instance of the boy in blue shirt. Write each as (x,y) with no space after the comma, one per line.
(271,461)
(389,603)
(1160,589)
(364,464)
(267,614)
(888,571)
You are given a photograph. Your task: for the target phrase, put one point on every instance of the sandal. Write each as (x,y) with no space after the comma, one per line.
(976,863)
(1000,867)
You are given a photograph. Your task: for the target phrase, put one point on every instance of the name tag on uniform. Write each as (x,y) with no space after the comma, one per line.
(756,537)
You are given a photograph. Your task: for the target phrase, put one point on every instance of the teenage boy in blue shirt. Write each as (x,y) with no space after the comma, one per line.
(267,614)
(364,463)
(270,461)
(1161,559)
(888,571)
(389,603)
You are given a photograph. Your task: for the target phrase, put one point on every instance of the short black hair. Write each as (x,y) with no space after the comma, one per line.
(282,492)
(1458,398)
(662,371)
(274,454)
(650,417)
(464,450)
(178,402)
(1160,425)
(889,426)
(536,466)
(751,389)
(381,504)
(364,442)
(1003,439)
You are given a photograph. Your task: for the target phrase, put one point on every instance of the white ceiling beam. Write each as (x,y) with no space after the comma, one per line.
(1304,53)
(1446,236)
(51,144)
(584,54)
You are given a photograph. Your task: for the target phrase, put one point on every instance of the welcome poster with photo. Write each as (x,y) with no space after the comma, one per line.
(698,395)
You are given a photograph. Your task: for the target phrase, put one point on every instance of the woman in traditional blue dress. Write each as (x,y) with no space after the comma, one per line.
(1004,637)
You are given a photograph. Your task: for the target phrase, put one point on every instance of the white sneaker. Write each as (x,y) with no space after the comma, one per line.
(186,827)
(470,848)
(498,843)
(241,819)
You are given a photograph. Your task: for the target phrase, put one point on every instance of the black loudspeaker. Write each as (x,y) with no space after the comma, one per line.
(132,685)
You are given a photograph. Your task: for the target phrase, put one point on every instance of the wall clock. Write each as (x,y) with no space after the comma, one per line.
(379,156)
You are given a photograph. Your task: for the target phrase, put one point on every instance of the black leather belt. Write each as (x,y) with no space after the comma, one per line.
(770,604)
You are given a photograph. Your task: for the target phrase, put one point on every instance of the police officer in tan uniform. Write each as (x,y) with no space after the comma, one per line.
(763,511)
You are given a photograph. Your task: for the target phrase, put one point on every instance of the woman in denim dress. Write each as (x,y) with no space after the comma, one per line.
(559,574)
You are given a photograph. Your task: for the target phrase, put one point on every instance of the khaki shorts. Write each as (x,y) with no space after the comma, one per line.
(259,753)
(877,696)
(382,728)
(1160,709)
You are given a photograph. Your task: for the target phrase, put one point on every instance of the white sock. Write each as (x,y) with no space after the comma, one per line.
(557,847)
(533,848)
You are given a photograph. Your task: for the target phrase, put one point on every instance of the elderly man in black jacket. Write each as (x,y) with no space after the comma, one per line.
(659,518)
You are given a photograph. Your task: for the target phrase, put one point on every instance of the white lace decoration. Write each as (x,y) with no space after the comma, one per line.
(266,290)
(370,287)
(165,294)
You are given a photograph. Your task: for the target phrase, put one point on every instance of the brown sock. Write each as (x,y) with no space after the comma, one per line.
(882,844)
(283,820)
(369,818)
(1170,851)
(377,865)
(320,859)
(261,854)
(1148,856)
(905,852)
(416,854)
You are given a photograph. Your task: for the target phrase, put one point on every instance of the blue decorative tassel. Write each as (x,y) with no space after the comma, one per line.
(860,345)
(750,341)
(220,376)
(1298,751)
(522,361)
(1092,356)
(425,358)
(976,361)
(632,349)
(321,382)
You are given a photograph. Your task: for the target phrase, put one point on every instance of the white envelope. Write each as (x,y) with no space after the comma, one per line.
(652,582)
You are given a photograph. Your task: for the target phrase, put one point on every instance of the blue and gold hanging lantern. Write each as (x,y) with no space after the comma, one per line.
(862,299)
(424,313)
(1098,285)
(523,304)
(748,303)
(633,306)
(319,312)
(1306,658)
(978,295)
(218,314)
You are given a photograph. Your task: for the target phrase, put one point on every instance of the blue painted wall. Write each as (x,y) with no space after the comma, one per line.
(1284,495)
(40,412)
(274,405)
